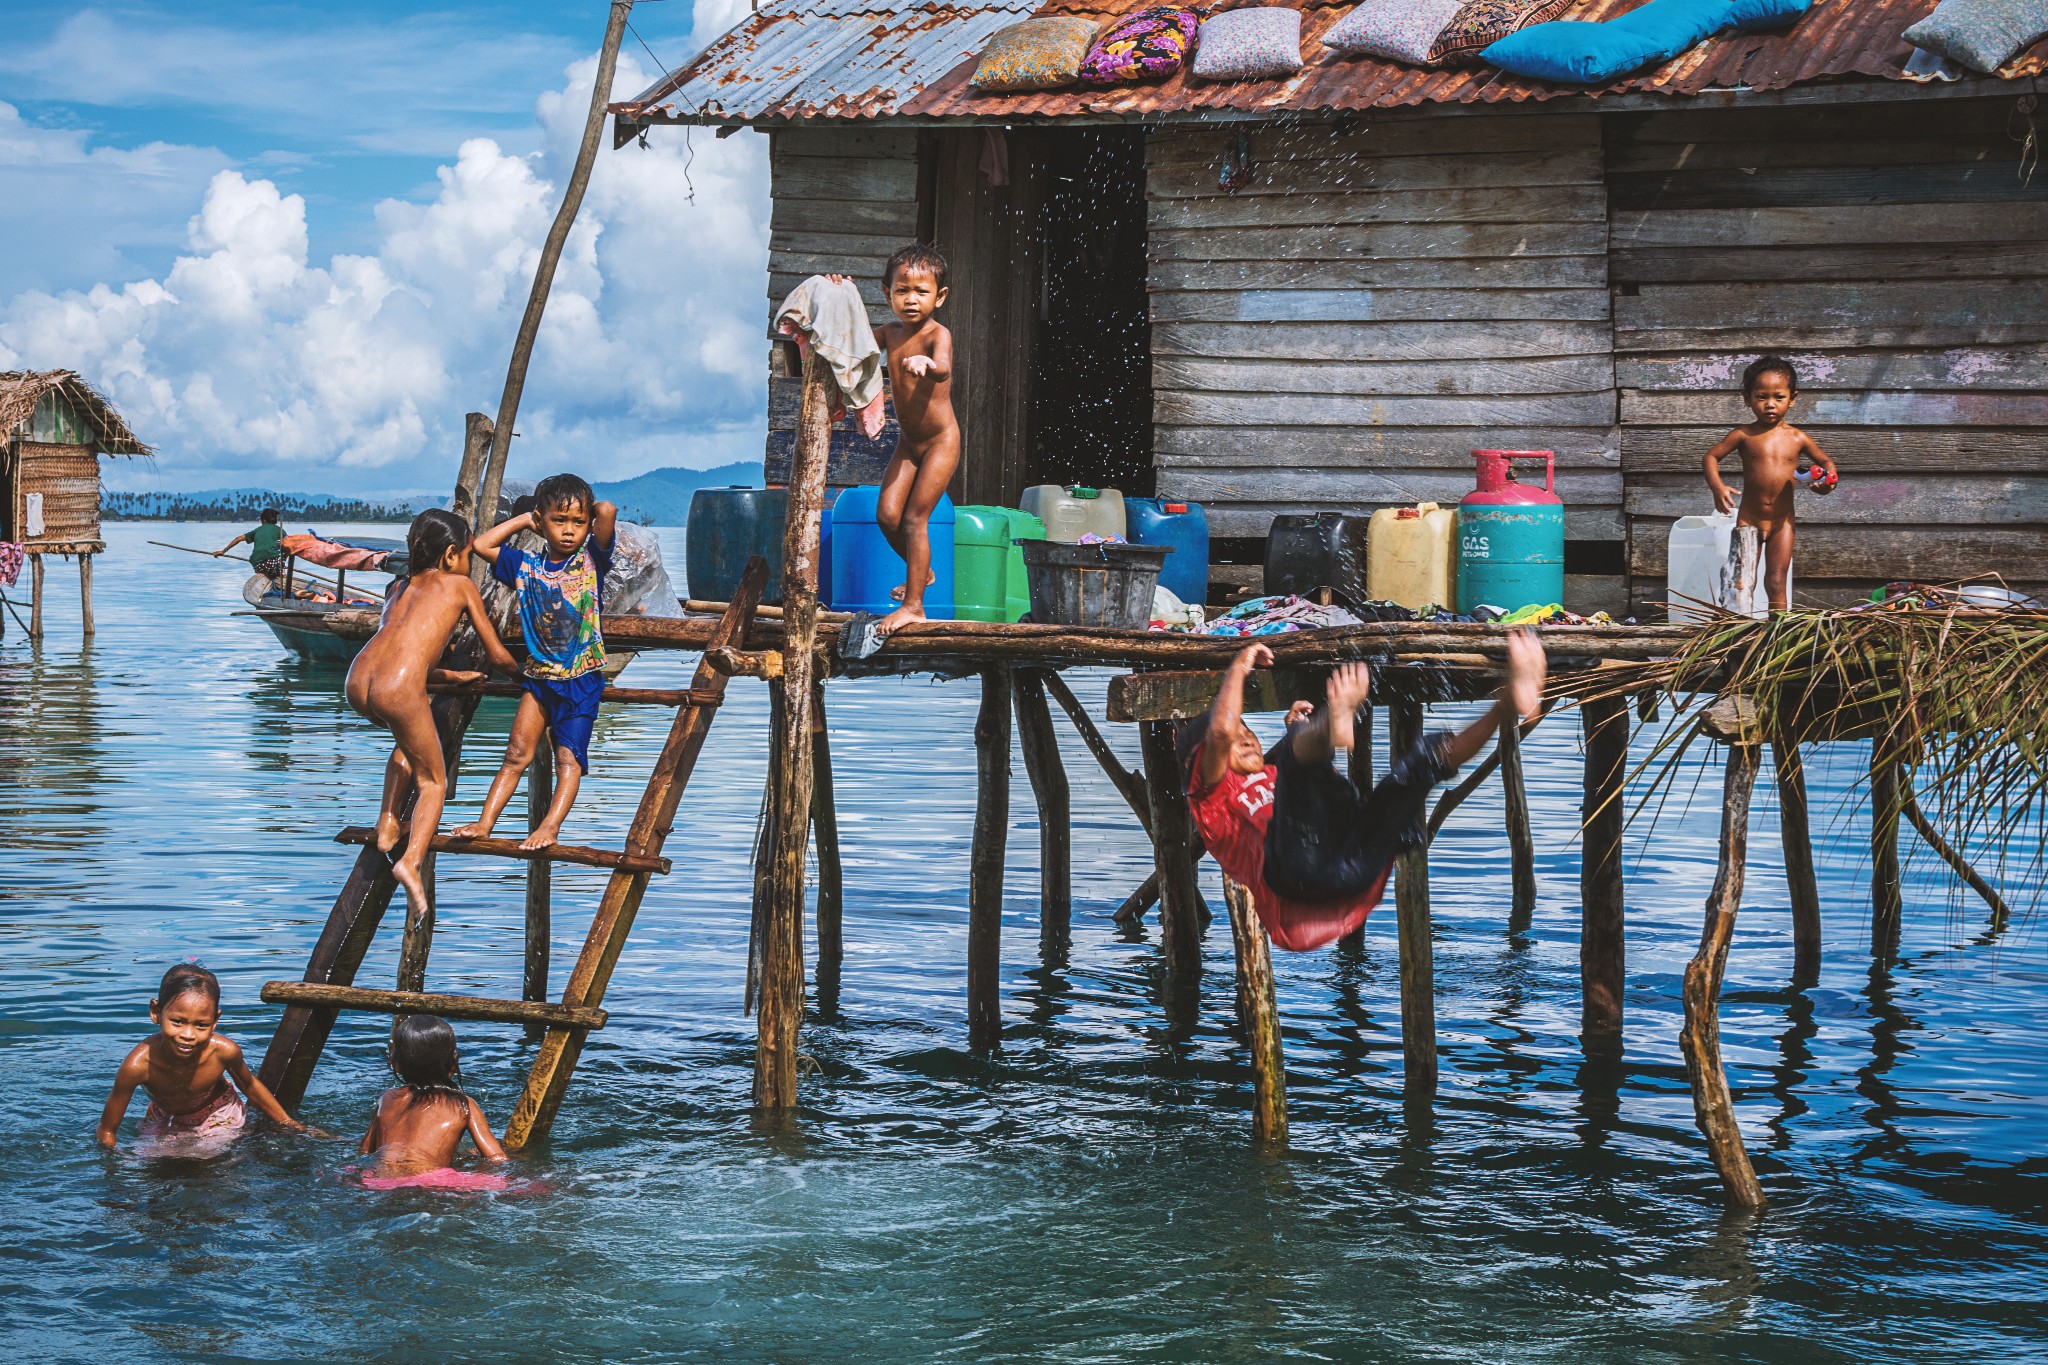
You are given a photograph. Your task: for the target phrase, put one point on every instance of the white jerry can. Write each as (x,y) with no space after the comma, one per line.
(1708,564)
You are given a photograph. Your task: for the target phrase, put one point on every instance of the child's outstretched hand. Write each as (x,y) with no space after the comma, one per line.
(1251,657)
(1350,685)
(1527,666)
(917,364)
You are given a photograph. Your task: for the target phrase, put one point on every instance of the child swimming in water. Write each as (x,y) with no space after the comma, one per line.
(388,681)
(419,1124)
(186,1068)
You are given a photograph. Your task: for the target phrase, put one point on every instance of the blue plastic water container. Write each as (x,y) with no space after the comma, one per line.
(864,568)
(727,527)
(825,556)
(1184,526)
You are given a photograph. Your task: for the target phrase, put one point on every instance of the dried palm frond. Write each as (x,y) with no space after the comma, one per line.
(1955,699)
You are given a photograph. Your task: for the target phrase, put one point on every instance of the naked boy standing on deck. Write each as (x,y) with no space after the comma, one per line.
(920,352)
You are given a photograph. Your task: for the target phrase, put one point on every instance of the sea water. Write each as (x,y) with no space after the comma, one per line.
(1087,1194)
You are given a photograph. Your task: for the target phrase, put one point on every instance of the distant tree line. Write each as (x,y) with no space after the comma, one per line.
(240,507)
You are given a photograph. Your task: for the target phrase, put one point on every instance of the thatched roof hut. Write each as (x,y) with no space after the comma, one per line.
(53,428)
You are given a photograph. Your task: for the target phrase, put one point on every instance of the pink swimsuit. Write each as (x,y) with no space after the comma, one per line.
(213,1123)
(447,1178)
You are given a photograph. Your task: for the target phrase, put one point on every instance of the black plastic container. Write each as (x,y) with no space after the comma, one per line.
(1092,585)
(1305,551)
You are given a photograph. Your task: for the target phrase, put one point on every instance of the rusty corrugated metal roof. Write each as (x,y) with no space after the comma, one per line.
(1835,38)
(829,59)
(807,59)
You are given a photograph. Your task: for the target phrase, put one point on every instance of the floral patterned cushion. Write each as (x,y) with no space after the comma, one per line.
(1481,23)
(1148,45)
(1038,54)
(1250,44)
(1401,30)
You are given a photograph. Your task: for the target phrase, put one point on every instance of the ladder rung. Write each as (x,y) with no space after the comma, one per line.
(644,696)
(479,1008)
(613,859)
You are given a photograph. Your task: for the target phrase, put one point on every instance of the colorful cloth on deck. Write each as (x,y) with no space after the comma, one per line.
(559,605)
(1278,616)
(447,1179)
(570,706)
(264,542)
(12,555)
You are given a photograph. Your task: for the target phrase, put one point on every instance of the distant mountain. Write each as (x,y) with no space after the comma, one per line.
(661,497)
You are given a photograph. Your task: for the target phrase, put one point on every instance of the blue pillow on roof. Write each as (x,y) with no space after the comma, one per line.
(1754,16)
(1575,52)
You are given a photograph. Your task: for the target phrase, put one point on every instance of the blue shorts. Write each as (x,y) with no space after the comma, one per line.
(570,706)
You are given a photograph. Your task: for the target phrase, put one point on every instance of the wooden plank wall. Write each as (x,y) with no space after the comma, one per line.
(68,477)
(1343,330)
(1897,255)
(844,200)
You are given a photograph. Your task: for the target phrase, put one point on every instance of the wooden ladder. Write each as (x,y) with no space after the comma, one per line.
(311,1004)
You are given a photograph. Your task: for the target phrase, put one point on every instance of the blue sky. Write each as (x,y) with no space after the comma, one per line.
(292,241)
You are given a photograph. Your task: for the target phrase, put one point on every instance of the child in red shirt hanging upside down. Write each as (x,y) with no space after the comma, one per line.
(1314,850)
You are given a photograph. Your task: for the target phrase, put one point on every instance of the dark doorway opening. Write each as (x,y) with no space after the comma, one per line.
(1091,392)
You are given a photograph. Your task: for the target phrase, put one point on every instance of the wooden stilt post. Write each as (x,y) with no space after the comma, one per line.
(85,590)
(540,793)
(1361,778)
(985,884)
(1418,952)
(302,1032)
(544,272)
(1048,774)
(782,942)
(1700,1038)
(476,452)
(764,843)
(831,877)
(1259,1013)
(1603,961)
(1173,833)
(1887,901)
(35,597)
(1799,877)
(1521,843)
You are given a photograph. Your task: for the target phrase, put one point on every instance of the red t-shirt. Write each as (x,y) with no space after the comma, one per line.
(1232,817)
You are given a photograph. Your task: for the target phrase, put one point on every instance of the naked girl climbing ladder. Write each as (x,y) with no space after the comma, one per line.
(329,983)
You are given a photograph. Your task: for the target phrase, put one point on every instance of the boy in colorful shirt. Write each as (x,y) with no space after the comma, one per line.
(561,596)
(1313,850)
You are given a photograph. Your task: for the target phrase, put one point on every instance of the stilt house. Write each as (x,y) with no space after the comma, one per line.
(53,430)
(1323,292)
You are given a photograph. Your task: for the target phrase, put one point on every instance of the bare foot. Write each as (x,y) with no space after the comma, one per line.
(897,619)
(542,837)
(1526,668)
(408,876)
(475,829)
(896,593)
(388,833)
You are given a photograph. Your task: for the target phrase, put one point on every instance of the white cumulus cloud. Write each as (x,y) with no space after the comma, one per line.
(248,361)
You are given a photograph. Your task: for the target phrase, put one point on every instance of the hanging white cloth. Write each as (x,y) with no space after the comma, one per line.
(34,516)
(834,317)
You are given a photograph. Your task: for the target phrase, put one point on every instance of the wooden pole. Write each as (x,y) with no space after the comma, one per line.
(1887,901)
(1700,1038)
(1259,1013)
(359,908)
(1361,778)
(1418,953)
(985,881)
(476,452)
(540,792)
(782,943)
(1048,774)
(544,273)
(1799,875)
(1173,834)
(419,920)
(2001,913)
(831,876)
(35,597)
(1521,842)
(85,590)
(1603,960)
